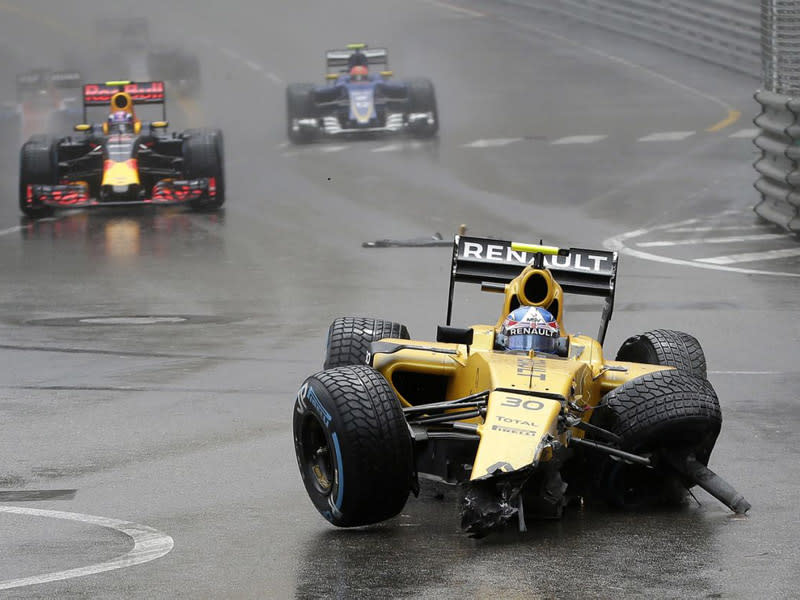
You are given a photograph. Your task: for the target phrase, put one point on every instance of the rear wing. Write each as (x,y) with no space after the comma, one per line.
(577,270)
(341,59)
(146,92)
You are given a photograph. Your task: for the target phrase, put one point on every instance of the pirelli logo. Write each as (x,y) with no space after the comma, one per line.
(598,262)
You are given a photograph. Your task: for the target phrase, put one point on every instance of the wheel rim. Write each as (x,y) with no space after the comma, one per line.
(316,455)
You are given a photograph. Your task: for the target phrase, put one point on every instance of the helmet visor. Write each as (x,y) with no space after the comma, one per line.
(538,343)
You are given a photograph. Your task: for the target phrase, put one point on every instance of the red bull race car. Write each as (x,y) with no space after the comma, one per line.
(123,160)
(358,101)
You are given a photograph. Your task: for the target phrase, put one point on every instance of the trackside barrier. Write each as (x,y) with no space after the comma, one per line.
(778,166)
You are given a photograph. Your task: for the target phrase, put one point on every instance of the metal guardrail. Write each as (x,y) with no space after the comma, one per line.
(779,165)
(725,32)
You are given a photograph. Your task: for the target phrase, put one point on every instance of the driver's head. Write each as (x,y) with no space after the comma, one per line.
(120,122)
(359,73)
(529,328)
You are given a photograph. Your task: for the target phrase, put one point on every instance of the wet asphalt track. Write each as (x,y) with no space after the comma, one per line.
(184,425)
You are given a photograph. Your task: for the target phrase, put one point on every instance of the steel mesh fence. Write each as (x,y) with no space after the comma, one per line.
(780,46)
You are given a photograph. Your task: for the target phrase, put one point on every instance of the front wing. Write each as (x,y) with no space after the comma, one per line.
(164,192)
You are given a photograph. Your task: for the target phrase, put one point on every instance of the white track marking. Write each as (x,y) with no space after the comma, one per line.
(148,544)
(11,230)
(745,133)
(751,256)
(492,143)
(457,9)
(666,136)
(388,148)
(578,139)
(331,148)
(250,64)
(750,373)
(618,243)
(719,228)
(732,239)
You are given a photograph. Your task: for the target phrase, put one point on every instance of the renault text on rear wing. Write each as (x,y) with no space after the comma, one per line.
(577,270)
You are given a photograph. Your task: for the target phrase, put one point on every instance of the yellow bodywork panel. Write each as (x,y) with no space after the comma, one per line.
(514,432)
(121,173)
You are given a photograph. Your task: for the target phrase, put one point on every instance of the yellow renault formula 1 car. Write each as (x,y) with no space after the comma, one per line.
(519,432)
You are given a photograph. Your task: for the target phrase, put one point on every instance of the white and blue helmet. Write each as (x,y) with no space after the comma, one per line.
(529,328)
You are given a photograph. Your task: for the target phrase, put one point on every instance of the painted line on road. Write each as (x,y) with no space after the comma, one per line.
(467,12)
(619,243)
(619,60)
(578,139)
(733,116)
(751,256)
(752,373)
(719,228)
(388,148)
(148,544)
(492,142)
(328,149)
(745,133)
(666,136)
(732,239)
(249,63)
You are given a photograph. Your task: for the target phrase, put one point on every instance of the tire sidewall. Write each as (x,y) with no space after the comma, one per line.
(313,401)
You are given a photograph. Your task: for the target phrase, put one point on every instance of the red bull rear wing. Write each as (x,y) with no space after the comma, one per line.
(146,92)
(577,270)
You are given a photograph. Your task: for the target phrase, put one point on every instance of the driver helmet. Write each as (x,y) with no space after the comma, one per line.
(359,73)
(529,328)
(120,121)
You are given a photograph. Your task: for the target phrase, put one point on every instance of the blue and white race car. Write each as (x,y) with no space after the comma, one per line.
(356,100)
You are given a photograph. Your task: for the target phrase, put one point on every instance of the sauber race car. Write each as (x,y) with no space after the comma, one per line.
(356,100)
(520,416)
(123,160)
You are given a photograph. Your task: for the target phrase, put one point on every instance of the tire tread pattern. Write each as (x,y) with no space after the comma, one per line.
(665,407)
(666,347)
(349,339)
(376,444)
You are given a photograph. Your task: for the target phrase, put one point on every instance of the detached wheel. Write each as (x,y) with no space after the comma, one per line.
(353,446)
(665,347)
(349,339)
(204,156)
(299,105)
(422,99)
(661,413)
(38,165)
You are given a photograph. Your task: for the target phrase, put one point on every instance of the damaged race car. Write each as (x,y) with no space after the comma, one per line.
(123,160)
(520,416)
(359,101)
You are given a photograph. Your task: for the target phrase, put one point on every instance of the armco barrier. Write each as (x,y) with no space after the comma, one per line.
(779,164)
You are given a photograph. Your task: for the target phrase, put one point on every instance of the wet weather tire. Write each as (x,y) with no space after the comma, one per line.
(299,105)
(349,339)
(422,99)
(668,348)
(353,446)
(204,156)
(38,164)
(666,412)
